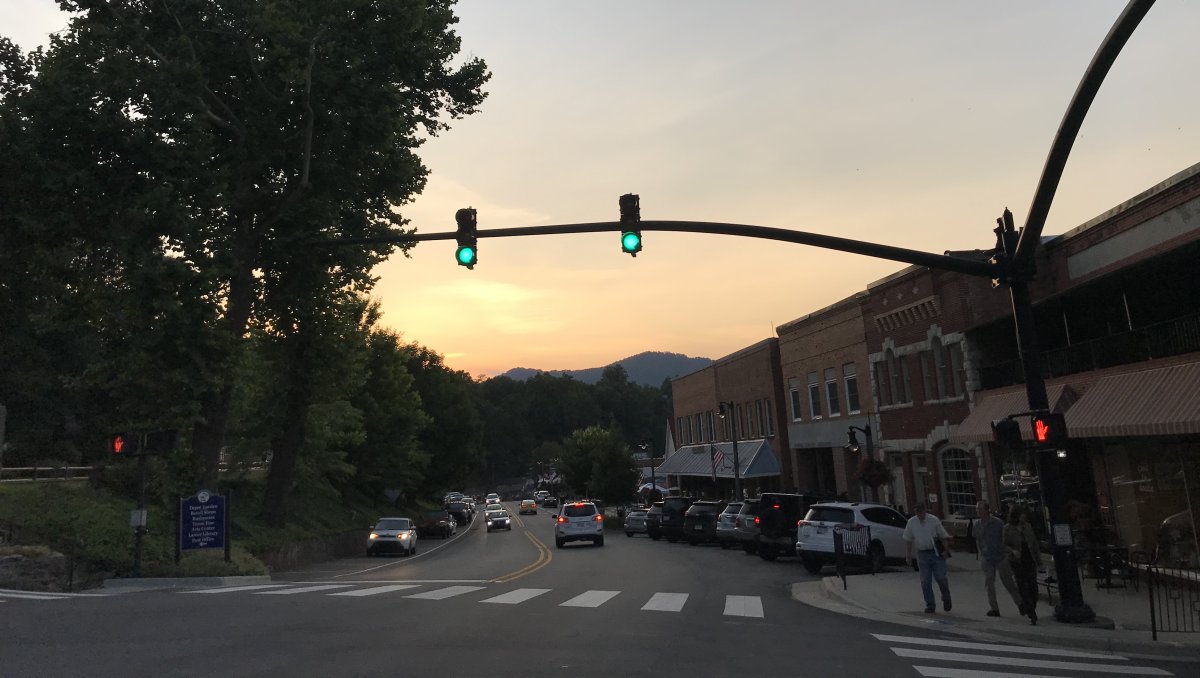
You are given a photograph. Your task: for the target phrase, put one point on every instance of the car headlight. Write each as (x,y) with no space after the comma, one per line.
(374,536)
(403,536)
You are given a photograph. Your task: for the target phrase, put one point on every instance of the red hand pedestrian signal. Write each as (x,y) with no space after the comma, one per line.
(1049,429)
(123,444)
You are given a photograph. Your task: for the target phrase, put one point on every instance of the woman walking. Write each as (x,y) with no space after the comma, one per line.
(1023,556)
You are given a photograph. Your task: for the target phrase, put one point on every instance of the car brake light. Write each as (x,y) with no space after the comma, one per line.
(757,520)
(599,517)
(562,519)
(775,506)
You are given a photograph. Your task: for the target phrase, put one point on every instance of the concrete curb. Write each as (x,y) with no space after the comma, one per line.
(156,583)
(826,594)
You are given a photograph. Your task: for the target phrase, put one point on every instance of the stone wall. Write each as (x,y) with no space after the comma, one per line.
(298,554)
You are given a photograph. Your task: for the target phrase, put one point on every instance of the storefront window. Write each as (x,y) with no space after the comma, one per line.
(958,480)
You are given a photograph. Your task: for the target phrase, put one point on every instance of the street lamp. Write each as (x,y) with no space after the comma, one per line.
(643,446)
(853,446)
(727,407)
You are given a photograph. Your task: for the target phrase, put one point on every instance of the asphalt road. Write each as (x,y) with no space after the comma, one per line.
(496,605)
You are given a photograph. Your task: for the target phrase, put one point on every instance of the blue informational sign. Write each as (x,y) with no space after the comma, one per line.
(202,520)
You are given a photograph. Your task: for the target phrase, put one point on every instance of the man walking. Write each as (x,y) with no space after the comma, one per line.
(923,532)
(993,558)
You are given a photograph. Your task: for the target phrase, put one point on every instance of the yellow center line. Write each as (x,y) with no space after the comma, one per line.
(517,517)
(543,559)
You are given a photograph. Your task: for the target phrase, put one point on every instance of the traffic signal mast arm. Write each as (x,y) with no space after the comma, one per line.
(944,262)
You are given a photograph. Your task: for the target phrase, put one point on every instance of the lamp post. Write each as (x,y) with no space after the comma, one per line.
(727,407)
(643,446)
(853,446)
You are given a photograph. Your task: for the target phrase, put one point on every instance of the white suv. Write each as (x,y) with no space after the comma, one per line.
(814,534)
(578,521)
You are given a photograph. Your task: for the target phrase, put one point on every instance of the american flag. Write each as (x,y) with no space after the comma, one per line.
(719,460)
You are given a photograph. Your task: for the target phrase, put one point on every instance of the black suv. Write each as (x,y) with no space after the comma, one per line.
(700,521)
(654,521)
(461,511)
(776,519)
(671,526)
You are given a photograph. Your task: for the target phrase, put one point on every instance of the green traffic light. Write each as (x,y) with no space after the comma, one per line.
(631,242)
(466,256)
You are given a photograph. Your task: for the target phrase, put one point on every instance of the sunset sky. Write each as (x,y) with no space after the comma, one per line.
(910,124)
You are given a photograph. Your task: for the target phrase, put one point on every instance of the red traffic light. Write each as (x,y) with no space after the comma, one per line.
(1049,429)
(123,444)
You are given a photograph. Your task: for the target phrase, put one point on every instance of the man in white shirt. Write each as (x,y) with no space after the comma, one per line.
(921,533)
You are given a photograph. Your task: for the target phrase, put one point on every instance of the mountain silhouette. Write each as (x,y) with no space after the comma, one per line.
(648,369)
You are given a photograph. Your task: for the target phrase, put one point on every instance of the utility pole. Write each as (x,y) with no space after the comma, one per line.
(737,465)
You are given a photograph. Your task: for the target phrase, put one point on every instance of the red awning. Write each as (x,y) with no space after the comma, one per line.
(1157,402)
(993,405)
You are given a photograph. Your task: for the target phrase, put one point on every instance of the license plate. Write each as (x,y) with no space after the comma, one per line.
(698,528)
(822,530)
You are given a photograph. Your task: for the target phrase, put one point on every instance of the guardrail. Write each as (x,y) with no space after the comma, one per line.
(39,474)
(1174,600)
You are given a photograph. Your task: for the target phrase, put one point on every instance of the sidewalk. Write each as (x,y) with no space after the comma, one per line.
(1122,626)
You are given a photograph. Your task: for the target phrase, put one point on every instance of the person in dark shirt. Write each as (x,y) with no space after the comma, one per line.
(993,557)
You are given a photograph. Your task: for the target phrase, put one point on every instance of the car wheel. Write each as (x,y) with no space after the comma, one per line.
(370,553)
(413,551)
(692,542)
(811,565)
(672,539)
(876,557)
(598,541)
(767,552)
(750,548)
(724,545)
(628,534)
(558,543)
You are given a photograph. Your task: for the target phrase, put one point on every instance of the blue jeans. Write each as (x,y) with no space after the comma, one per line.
(931,568)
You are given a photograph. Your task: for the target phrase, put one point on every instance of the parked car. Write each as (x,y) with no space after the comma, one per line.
(815,536)
(527,506)
(654,521)
(635,522)
(393,534)
(439,523)
(958,526)
(461,511)
(671,525)
(700,521)
(577,521)
(497,519)
(745,526)
(724,531)
(778,514)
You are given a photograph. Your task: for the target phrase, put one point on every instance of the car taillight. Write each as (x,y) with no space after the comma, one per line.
(737,522)
(599,517)
(802,523)
(562,519)
(757,520)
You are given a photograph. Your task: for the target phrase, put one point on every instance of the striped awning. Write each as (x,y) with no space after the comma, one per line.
(993,405)
(1157,402)
(754,456)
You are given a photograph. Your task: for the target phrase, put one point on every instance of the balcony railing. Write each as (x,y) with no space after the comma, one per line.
(1161,340)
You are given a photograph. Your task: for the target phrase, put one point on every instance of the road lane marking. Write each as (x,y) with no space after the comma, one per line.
(376,590)
(993,647)
(942,672)
(743,606)
(543,559)
(26,596)
(516,597)
(57,594)
(666,602)
(231,589)
(303,589)
(424,552)
(590,599)
(448,592)
(1028,663)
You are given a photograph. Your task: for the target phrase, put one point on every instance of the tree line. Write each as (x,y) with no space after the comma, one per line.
(168,171)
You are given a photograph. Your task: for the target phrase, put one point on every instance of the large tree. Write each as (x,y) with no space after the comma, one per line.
(227,135)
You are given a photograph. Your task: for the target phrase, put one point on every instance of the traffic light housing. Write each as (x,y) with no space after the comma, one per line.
(1049,430)
(631,224)
(1007,434)
(467,253)
(123,444)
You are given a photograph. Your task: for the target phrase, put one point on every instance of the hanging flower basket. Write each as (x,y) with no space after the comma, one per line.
(874,473)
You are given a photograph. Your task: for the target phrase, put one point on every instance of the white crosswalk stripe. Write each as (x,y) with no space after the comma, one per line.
(448,592)
(235,589)
(1009,658)
(590,599)
(303,589)
(376,590)
(666,602)
(47,595)
(516,597)
(743,606)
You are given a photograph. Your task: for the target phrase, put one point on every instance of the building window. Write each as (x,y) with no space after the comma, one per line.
(770,421)
(712,427)
(679,430)
(958,479)
(814,396)
(897,369)
(727,425)
(954,359)
(760,418)
(928,375)
(794,392)
(741,422)
(850,377)
(831,392)
(882,382)
(699,429)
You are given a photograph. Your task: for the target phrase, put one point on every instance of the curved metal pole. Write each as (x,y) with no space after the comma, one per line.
(1068,129)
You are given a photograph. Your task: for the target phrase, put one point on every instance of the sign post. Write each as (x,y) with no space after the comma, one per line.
(203,523)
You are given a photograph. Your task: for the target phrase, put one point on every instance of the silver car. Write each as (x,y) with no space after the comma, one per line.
(393,534)
(577,521)
(745,526)
(726,524)
(635,522)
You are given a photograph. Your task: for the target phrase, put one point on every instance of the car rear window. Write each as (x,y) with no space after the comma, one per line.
(703,507)
(579,511)
(394,524)
(829,514)
(733,508)
(456,506)
(750,508)
(435,514)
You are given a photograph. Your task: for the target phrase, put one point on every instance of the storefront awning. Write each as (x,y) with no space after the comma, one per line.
(1157,402)
(993,405)
(754,456)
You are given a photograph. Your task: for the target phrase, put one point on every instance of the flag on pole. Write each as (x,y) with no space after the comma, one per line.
(712,458)
(719,462)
